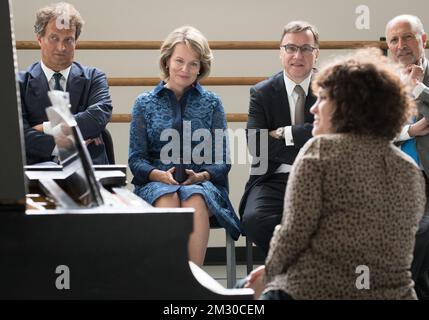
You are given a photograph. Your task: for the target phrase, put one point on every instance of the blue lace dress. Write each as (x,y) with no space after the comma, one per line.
(153,146)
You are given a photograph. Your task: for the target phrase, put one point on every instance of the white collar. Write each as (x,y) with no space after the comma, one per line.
(49,72)
(290,84)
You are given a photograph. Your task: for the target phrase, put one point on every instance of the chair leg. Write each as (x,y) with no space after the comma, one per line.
(230,261)
(249,255)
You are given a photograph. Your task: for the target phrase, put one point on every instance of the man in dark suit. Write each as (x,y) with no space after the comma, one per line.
(279,105)
(406,40)
(58,27)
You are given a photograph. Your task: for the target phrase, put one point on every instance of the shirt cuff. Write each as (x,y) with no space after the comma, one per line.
(47,129)
(55,151)
(288,136)
(404,133)
(418,89)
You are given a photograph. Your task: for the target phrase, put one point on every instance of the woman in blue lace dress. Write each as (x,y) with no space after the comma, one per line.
(178,147)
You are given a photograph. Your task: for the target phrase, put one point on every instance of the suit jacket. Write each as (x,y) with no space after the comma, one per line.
(269,109)
(90,103)
(422,142)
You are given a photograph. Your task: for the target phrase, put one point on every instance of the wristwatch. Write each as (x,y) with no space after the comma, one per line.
(280,132)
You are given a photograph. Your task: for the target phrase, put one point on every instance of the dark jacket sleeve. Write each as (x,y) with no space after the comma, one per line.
(98,110)
(262,119)
(38,145)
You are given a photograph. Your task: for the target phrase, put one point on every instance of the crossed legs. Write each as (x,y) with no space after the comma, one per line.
(199,238)
(264,210)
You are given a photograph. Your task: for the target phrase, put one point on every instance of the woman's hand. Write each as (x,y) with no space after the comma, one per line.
(256,281)
(163,176)
(194,177)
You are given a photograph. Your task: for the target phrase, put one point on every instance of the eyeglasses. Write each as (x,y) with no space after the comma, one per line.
(306,49)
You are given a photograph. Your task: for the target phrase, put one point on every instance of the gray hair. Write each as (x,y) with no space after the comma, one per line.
(414,21)
(58,10)
(300,26)
(194,40)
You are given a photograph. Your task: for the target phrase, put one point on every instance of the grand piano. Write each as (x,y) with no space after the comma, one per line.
(99,251)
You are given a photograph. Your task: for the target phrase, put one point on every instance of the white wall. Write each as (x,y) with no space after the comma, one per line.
(218,20)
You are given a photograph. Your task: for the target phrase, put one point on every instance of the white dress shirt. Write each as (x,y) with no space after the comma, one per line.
(292,98)
(49,73)
(417,90)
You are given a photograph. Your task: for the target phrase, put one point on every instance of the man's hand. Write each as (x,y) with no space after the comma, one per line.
(38,127)
(163,176)
(273,134)
(420,128)
(194,177)
(413,74)
(256,281)
(96,141)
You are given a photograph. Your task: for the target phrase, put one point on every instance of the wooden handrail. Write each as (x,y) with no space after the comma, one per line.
(215,45)
(211,81)
(230,117)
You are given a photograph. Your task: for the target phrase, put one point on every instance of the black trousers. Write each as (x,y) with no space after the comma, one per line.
(264,210)
(420,264)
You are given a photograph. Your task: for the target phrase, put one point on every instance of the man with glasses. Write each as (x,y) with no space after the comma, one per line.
(57,28)
(281,106)
(406,40)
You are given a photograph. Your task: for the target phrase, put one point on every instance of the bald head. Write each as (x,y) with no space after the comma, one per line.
(406,39)
(414,22)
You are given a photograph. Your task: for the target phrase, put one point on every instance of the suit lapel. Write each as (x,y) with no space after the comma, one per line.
(38,87)
(75,85)
(281,101)
(309,101)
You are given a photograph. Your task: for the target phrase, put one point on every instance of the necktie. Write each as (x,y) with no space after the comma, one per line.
(57,77)
(299,105)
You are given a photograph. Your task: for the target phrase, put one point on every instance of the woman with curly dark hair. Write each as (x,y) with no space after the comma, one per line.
(353,200)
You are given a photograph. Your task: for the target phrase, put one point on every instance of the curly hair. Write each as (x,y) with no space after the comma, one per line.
(194,40)
(60,10)
(367,93)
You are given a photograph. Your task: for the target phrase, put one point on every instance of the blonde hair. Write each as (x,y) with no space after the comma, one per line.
(194,40)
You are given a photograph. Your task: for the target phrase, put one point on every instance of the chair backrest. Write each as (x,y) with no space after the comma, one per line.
(108,143)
